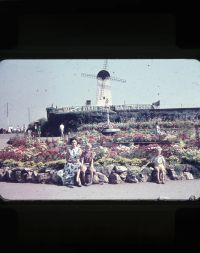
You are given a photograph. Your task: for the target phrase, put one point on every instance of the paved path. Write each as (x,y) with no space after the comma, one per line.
(171,190)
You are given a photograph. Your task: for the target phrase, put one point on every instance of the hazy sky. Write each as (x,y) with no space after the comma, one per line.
(37,84)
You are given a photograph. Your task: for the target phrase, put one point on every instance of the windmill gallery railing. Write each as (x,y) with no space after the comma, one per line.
(101,108)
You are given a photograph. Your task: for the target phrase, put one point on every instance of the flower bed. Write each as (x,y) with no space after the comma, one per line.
(180,147)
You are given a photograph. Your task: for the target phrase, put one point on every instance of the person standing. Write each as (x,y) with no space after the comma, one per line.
(39,131)
(62,128)
(18,129)
(158,129)
(35,130)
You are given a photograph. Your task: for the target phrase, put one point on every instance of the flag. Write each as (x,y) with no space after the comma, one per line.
(156,104)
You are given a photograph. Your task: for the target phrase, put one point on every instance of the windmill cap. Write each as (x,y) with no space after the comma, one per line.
(103,74)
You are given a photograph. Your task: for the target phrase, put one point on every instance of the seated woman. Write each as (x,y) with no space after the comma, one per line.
(71,170)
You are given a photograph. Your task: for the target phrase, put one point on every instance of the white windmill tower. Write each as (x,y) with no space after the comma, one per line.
(103,95)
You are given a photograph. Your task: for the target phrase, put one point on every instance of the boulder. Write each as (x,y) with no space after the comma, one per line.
(29,177)
(119,169)
(134,168)
(102,178)
(18,176)
(177,171)
(106,170)
(195,172)
(131,179)
(188,175)
(143,178)
(95,179)
(2,174)
(43,178)
(114,178)
(172,174)
(133,174)
(123,175)
(8,174)
(42,169)
(146,174)
(55,178)
(60,174)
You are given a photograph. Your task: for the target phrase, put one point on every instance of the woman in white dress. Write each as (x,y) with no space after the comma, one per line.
(71,171)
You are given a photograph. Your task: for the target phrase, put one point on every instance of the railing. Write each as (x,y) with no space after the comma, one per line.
(132,107)
(101,108)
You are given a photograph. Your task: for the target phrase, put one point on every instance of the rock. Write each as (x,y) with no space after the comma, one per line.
(119,169)
(106,170)
(95,179)
(60,174)
(31,177)
(131,179)
(195,172)
(135,168)
(146,174)
(114,178)
(43,178)
(55,178)
(123,175)
(143,178)
(2,174)
(188,175)
(24,174)
(133,174)
(12,175)
(8,173)
(102,178)
(177,171)
(1,164)
(172,174)
(42,169)
(18,176)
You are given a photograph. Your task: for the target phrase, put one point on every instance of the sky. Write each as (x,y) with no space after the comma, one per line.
(28,87)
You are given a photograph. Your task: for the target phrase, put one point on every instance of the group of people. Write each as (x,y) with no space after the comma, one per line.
(79,169)
(34,132)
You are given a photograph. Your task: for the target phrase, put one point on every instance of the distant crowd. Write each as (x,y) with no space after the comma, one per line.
(11,129)
(34,131)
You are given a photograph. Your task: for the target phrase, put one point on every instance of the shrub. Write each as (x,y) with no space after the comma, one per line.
(173,159)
